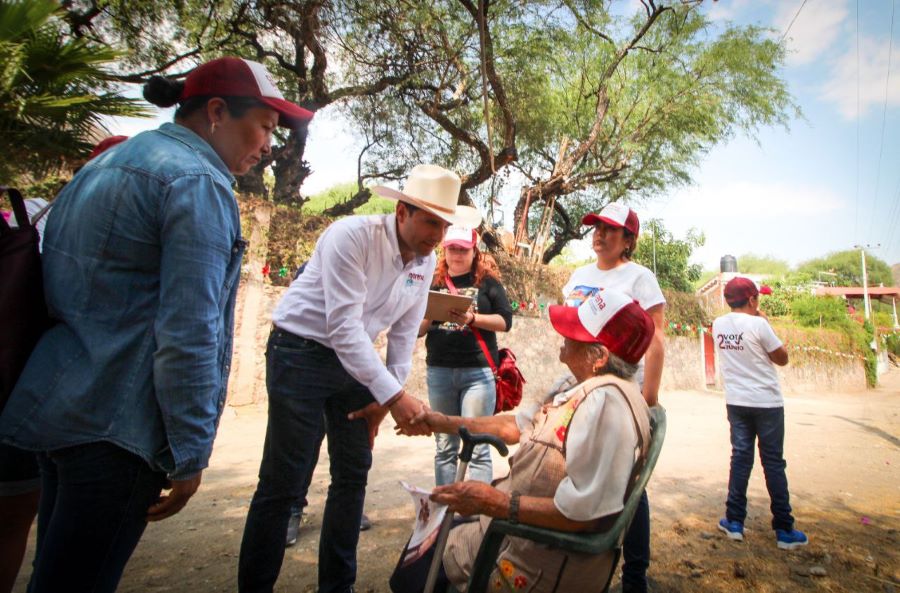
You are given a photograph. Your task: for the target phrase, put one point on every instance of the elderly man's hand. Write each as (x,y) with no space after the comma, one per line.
(472,498)
(431,419)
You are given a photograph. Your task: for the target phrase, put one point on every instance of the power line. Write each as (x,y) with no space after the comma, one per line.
(858,117)
(791,24)
(887,82)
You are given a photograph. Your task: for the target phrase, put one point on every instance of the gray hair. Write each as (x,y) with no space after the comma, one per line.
(614,365)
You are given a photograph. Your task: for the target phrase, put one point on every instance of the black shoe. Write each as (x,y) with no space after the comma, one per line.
(364,523)
(293,529)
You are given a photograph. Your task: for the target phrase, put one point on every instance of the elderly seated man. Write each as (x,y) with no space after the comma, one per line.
(579,455)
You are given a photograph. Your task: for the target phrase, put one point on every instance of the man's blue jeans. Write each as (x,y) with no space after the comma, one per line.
(93,511)
(466,392)
(767,424)
(310,394)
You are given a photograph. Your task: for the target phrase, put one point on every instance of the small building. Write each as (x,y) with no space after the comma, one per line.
(712,294)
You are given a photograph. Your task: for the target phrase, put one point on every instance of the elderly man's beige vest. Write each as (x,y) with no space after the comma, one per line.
(537,469)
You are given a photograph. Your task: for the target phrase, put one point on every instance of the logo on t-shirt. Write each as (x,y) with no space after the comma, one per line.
(579,294)
(731,341)
(413,278)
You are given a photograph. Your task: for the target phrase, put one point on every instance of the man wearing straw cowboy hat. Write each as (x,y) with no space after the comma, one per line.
(367,274)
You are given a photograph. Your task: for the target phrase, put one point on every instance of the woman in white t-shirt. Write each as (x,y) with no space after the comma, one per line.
(616,230)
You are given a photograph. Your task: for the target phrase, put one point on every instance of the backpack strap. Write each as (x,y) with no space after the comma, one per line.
(18,205)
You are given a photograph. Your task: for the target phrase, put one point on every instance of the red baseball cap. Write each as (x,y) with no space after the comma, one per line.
(607,317)
(237,77)
(740,289)
(106,144)
(615,214)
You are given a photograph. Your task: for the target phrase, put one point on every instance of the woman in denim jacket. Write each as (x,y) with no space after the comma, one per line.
(142,251)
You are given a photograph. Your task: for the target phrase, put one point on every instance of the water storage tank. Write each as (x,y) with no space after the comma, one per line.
(728,263)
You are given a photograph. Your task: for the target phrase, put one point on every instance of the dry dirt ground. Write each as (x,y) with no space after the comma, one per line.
(843,453)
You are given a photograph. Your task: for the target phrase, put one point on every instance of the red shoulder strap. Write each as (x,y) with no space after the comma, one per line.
(481,342)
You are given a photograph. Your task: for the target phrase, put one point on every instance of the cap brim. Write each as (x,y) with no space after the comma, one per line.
(393,194)
(565,321)
(765,289)
(291,115)
(592,219)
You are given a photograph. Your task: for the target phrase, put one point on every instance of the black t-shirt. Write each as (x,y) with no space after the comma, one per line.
(454,346)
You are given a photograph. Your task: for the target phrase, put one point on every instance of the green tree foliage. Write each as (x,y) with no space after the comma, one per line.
(53,89)
(848,267)
(658,250)
(589,105)
(767,265)
(812,311)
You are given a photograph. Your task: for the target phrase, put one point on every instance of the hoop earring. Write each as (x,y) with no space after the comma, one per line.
(212,128)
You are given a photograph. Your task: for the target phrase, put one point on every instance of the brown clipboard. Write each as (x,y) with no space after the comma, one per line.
(440,304)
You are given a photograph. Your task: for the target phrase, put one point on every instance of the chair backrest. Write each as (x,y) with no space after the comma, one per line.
(658,435)
(588,543)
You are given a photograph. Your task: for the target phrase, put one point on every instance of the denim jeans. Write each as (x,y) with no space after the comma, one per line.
(93,511)
(310,394)
(466,392)
(767,424)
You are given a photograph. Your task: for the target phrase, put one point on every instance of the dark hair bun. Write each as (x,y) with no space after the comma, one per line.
(163,92)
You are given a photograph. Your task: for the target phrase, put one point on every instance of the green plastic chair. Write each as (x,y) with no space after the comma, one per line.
(587,543)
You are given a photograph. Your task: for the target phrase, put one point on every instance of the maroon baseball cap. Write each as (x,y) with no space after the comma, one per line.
(237,77)
(615,214)
(740,289)
(607,317)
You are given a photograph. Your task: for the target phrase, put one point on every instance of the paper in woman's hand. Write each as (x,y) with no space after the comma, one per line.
(427,526)
(440,304)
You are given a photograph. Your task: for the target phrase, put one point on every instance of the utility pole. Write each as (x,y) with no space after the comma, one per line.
(867,309)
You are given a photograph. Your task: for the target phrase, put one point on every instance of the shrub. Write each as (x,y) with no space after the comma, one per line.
(811,311)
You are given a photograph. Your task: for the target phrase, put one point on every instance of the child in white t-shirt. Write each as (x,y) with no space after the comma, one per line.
(748,350)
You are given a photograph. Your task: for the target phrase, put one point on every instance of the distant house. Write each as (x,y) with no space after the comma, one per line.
(711,295)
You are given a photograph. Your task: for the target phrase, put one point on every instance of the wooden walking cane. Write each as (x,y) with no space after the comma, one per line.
(469,441)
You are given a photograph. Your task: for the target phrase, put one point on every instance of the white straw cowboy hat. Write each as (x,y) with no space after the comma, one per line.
(431,188)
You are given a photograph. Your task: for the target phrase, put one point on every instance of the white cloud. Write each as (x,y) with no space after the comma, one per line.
(762,201)
(817,27)
(728,10)
(743,217)
(841,88)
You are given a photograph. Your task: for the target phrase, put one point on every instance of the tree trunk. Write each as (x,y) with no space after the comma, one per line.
(252,182)
(345,208)
(291,171)
(556,247)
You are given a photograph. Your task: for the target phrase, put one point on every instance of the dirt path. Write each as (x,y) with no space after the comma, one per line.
(843,455)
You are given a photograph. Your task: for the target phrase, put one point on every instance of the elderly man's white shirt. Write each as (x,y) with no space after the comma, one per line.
(354,287)
(601,449)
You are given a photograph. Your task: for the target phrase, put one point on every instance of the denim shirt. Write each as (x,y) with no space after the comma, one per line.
(141,259)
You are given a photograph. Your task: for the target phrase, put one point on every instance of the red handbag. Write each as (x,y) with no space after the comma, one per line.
(508,378)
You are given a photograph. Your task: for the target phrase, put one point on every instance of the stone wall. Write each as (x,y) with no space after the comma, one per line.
(536,346)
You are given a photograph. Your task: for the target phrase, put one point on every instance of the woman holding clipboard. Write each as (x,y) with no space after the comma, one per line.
(460,379)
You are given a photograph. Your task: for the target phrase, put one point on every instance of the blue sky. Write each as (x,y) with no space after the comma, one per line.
(793,194)
(799,193)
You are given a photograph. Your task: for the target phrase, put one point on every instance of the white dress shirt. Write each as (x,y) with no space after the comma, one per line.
(354,287)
